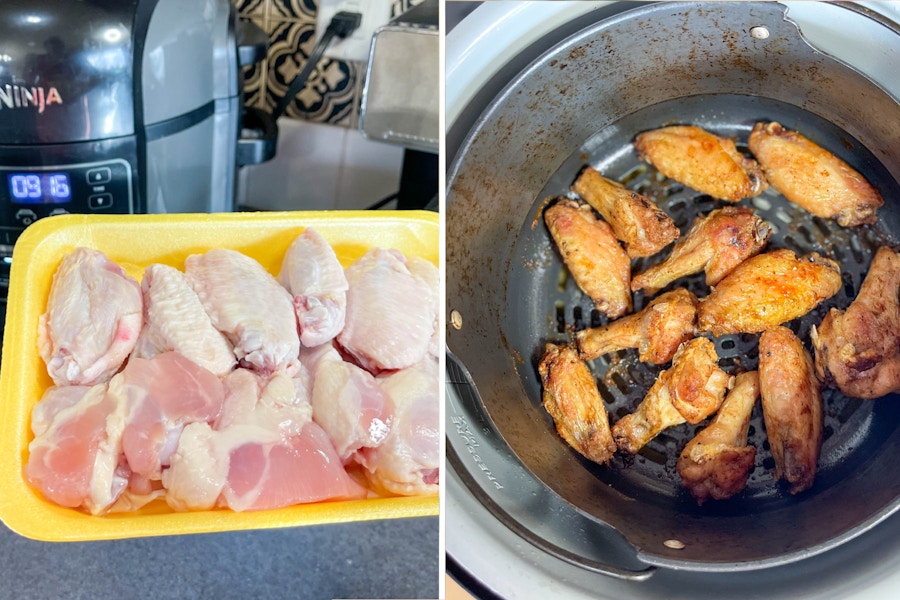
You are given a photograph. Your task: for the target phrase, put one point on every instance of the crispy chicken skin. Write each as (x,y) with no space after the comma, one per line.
(656,331)
(571,397)
(767,290)
(690,390)
(716,243)
(702,161)
(792,406)
(593,255)
(812,177)
(858,350)
(717,462)
(643,227)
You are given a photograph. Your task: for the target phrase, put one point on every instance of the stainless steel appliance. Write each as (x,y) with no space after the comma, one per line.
(111,106)
(513,534)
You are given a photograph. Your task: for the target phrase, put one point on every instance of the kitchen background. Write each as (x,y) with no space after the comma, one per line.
(322,161)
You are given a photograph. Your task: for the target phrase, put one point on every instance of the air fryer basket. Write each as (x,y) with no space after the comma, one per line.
(583,103)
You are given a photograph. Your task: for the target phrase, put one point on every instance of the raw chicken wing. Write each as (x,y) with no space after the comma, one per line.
(349,405)
(716,244)
(156,399)
(792,406)
(812,177)
(690,390)
(74,459)
(858,350)
(408,461)
(717,462)
(643,227)
(593,256)
(702,161)
(657,331)
(315,278)
(93,319)
(174,320)
(767,290)
(390,312)
(571,397)
(249,306)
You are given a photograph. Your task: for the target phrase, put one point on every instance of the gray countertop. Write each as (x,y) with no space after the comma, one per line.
(396,558)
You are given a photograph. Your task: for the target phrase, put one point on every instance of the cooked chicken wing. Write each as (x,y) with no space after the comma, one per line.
(858,349)
(690,390)
(716,243)
(717,462)
(656,331)
(596,260)
(643,227)
(812,177)
(792,406)
(702,161)
(571,398)
(767,290)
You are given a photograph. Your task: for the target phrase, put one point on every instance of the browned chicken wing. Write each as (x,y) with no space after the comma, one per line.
(593,255)
(656,331)
(702,161)
(571,397)
(717,462)
(716,243)
(767,290)
(812,177)
(858,350)
(690,390)
(792,406)
(643,227)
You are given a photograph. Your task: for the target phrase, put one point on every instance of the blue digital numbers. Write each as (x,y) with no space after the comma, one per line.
(44,188)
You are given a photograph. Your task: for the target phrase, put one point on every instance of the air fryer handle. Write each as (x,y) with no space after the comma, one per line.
(252,42)
(258,139)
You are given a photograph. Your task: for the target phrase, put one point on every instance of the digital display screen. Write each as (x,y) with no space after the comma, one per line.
(39,188)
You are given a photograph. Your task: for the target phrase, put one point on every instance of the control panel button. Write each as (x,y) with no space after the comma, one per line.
(26,216)
(99,175)
(58,211)
(100,201)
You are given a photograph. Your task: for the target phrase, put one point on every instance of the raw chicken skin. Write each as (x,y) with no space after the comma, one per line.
(74,459)
(93,318)
(408,461)
(264,453)
(349,405)
(315,278)
(593,256)
(427,272)
(636,220)
(174,320)
(157,398)
(390,316)
(248,305)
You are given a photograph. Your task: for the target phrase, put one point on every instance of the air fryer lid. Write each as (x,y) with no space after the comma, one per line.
(66,73)
(583,102)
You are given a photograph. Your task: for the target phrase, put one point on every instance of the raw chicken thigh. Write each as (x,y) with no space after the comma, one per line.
(349,405)
(390,316)
(408,461)
(312,274)
(92,321)
(74,457)
(175,320)
(249,306)
(157,398)
(264,453)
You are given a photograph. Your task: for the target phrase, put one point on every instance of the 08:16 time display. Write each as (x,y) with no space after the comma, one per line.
(31,188)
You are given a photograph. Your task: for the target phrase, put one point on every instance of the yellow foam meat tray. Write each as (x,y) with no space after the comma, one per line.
(135,241)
